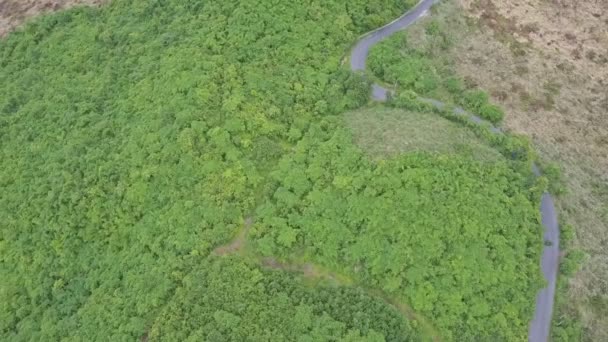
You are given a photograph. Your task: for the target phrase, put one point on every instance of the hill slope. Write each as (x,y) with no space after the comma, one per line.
(138,137)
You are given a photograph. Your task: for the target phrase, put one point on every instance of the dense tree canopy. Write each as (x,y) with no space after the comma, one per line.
(138,137)
(133,140)
(456,238)
(238,302)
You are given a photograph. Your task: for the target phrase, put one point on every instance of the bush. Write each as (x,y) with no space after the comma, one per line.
(406,99)
(474,99)
(556,183)
(571,263)
(491,113)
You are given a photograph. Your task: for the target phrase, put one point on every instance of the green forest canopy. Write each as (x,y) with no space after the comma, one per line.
(138,137)
(457,239)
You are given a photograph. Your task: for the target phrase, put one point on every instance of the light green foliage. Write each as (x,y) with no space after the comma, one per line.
(571,263)
(457,239)
(556,181)
(421,69)
(476,101)
(516,148)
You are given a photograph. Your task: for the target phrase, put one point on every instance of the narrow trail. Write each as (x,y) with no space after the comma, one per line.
(541,323)
(237,244)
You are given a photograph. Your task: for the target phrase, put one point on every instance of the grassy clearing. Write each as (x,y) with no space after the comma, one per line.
(385,132)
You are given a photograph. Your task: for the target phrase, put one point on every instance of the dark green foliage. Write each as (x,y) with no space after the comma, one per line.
(237,302)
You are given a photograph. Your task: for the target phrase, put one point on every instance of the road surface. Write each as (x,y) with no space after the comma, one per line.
(541,323)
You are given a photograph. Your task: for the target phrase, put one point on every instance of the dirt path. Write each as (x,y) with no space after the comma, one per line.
(541,322)
(237,244)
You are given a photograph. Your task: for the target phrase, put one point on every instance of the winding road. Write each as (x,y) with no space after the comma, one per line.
(541,322)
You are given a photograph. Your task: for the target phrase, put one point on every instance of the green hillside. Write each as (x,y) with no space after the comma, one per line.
(137,138)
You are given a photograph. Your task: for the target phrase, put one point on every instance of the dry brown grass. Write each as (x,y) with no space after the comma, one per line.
(546,62)
(13,13)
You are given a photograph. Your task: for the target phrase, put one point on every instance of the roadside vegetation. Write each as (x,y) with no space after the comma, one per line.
(545,64)
(424,70)
(138,139)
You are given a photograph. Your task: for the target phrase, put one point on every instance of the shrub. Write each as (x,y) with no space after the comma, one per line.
(491,113)
(454,85)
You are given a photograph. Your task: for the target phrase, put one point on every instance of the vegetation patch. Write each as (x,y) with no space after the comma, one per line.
(239,302)
(136,138)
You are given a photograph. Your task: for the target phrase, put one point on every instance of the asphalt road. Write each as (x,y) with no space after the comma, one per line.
(541,323)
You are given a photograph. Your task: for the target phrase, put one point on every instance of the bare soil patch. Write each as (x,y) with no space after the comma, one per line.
(14,13)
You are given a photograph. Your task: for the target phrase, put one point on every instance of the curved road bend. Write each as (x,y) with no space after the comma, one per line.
(541,323)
